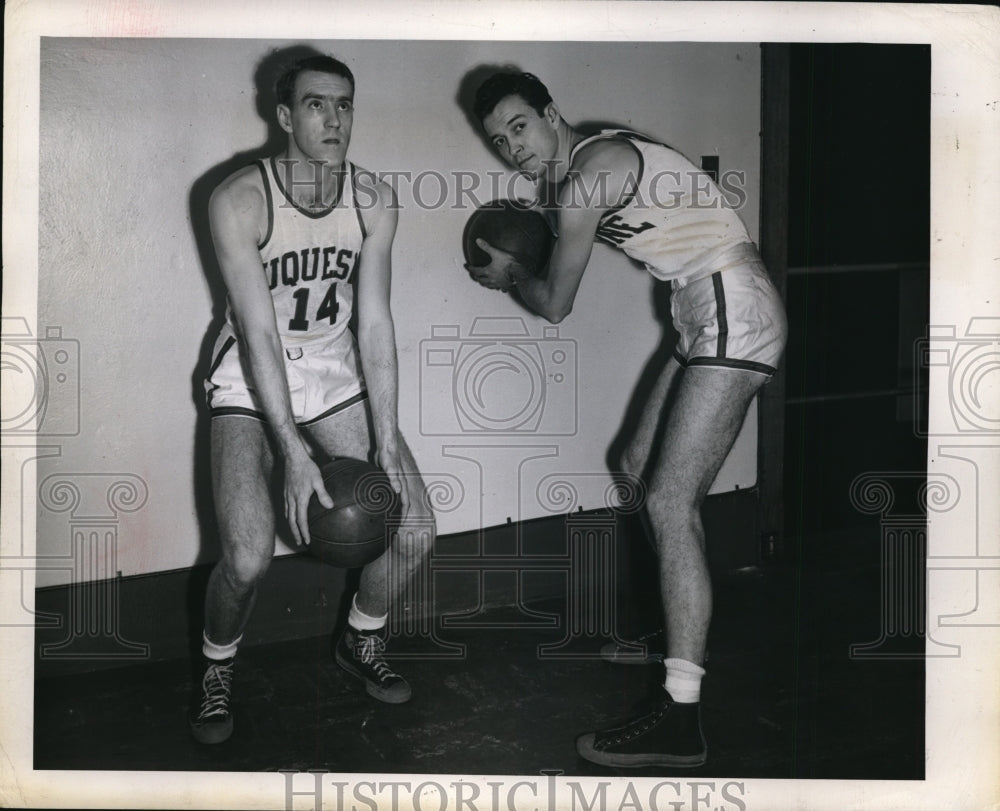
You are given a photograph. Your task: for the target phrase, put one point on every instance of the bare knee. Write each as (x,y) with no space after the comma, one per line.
(633,460)
(243,569)
(675,518)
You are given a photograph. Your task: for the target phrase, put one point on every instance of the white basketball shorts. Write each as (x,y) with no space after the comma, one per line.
(323,378)
(733,319)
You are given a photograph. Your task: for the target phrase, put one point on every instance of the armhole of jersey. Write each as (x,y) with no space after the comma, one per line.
(270,204)
(597,136)
(354,201)
(629,195)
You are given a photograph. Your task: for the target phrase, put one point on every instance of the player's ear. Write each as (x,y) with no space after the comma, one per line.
(285,117)
(551,113)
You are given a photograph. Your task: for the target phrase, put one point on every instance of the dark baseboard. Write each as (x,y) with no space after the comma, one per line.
(158,617)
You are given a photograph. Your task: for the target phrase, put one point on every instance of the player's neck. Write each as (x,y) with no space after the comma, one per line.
(568,138)
(310,183)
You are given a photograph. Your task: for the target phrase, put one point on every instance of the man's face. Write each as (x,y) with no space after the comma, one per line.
(526,140)
(320,117)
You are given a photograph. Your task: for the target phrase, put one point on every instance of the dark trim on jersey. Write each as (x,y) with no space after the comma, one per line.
(607,136)
(270,204)
(725,363)
(222,353)
(317,214)
(357,398)
(357,208)
(720,307)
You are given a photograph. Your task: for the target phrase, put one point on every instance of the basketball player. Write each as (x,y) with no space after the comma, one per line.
(288,387)
(644,198)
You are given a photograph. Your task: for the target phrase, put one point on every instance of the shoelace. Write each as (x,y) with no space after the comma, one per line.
(369,649)
(216,687)
(635,728)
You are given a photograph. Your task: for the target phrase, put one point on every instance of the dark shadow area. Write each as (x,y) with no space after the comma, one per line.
(785,699)
(858,288)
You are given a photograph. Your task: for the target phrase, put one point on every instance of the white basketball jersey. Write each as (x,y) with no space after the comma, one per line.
(675,219)
(309,259)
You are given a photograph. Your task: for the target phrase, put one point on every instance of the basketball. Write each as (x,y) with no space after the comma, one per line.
(509,226)
(353,532)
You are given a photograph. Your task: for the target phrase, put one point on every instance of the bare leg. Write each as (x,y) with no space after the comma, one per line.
(702,421)
(242,466)
(639,450)
(359,650)
(349,434)
(702,425)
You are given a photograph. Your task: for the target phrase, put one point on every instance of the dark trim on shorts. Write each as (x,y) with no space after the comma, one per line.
(357,398)
(725,363)
(238,411)
(270,204)
(720,311)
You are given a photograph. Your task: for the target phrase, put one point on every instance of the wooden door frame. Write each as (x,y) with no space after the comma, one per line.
(774,195)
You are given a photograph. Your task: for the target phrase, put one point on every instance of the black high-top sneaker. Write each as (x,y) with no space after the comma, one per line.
(668,735)
(361,653)
(213,722)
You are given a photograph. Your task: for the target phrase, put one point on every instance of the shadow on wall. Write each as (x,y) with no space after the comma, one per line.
(267,72)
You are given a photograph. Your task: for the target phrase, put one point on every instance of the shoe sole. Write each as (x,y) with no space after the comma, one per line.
(376,693)
(585,748)
(215,733)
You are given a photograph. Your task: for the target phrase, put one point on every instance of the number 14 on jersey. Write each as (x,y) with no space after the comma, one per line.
(327,309)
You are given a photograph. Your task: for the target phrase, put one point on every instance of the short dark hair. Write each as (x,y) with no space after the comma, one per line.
(500,85)
(284,88)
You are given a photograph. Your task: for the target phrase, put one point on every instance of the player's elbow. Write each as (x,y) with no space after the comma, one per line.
(556,313)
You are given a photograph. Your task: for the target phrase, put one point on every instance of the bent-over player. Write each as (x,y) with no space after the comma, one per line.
(288,387)
(646,199)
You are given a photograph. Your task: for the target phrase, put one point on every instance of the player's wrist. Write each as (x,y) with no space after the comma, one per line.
(387,443)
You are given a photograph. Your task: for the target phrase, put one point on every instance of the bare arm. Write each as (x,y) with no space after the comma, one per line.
(236,211)
(604,166)
(377,335)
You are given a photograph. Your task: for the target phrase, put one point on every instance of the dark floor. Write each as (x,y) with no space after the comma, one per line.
(783,698)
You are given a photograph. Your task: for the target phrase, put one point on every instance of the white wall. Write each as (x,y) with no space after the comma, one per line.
(133,133)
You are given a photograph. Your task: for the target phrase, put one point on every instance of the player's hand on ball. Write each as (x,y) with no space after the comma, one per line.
(497,274)
(302,479)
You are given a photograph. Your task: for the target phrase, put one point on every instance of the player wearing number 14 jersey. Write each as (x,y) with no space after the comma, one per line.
(304,241)
(309,259)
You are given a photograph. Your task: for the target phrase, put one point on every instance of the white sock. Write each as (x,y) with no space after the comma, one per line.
(683,680)
(360,621)
(218,652)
